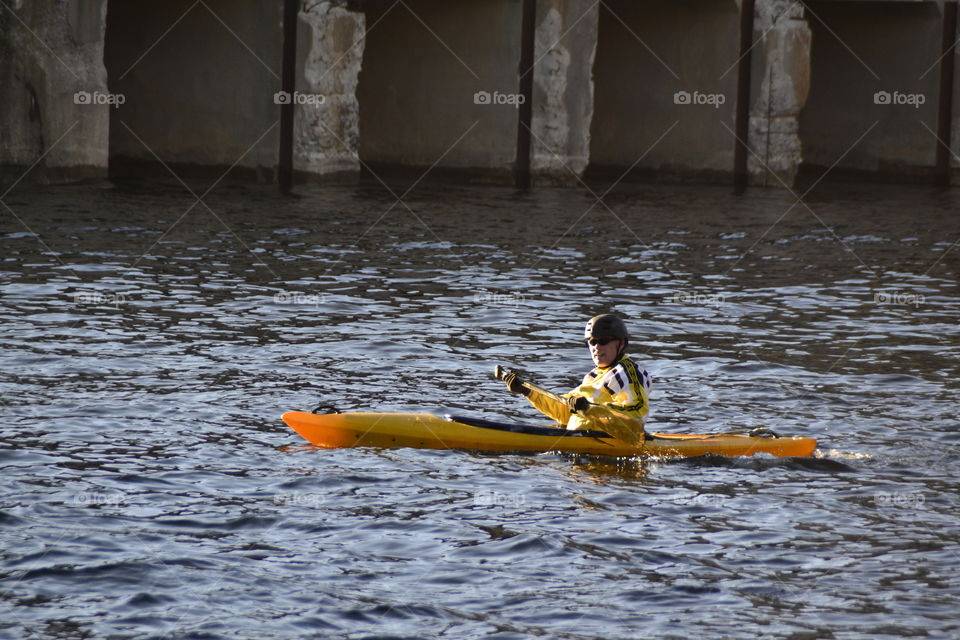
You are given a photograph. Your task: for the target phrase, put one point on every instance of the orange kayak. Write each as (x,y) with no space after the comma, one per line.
(428,431)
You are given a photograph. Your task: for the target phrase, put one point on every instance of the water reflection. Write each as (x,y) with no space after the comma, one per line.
(147,355)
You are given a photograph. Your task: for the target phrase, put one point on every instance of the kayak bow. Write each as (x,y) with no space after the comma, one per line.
(428,431)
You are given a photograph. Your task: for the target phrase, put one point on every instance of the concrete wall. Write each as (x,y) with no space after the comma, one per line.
(424,61)
(330,44)
(646,53)
(51,78)
(397,84)
(199,82)
(859,49)
(566,42)
(780,82)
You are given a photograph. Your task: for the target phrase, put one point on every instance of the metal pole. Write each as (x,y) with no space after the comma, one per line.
(740,149)
(525,111)
(288,83)
(945,113)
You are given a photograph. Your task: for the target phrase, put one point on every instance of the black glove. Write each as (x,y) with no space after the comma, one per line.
(578,404)
(513,382)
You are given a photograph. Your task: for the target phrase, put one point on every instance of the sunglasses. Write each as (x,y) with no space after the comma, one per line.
(599,341)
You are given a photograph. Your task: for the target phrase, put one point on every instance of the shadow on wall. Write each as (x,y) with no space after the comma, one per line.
(199,81)
(872,114)
(666,78)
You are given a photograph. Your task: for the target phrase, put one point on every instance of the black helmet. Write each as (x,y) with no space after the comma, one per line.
(606,325)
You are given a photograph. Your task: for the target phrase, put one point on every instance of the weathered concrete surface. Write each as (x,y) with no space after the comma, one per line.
(665,91)
(438,85)
(861,90)
(566,41)
(51,76)
(781,84)
(403,84)
(330,46)
(199,81)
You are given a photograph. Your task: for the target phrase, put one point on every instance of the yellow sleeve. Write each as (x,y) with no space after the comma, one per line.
(548,403)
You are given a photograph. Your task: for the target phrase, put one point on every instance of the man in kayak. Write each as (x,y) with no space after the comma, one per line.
(613,396)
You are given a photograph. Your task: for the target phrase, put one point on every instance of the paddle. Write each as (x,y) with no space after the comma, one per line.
(617,424)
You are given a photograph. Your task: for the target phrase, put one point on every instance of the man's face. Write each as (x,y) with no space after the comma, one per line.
(604,350)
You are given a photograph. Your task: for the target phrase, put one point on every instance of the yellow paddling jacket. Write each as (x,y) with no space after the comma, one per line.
(622,388)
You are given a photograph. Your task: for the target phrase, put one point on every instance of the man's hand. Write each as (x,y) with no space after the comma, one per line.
(513,382)
(578,404)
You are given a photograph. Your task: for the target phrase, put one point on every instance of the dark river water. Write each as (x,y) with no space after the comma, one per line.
(150,342)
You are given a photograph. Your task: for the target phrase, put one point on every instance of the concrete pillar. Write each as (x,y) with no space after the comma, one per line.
(566,43)
(327,129)
(54,101)
(781,87)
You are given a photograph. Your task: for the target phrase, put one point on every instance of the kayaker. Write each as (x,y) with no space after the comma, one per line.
(613,395)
